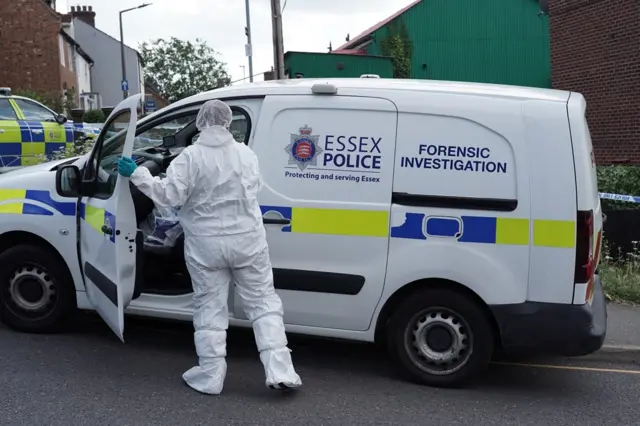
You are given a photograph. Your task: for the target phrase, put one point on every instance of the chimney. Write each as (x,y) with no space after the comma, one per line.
(84,13)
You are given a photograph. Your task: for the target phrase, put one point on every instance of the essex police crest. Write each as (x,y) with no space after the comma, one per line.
(303,148)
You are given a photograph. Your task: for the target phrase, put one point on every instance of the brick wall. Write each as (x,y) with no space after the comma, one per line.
(595,50)
(68,78)
(29,46)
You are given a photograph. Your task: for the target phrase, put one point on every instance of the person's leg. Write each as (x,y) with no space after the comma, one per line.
(253,276)
(210,316)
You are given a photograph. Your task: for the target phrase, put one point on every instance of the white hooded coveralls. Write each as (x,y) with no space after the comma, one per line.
(216,181)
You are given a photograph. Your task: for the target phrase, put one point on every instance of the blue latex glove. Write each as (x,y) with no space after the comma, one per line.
(126,166)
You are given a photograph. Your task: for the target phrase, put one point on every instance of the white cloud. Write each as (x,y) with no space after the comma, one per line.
(308,25)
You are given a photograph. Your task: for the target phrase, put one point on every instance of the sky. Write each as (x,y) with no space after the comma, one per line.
(308,25)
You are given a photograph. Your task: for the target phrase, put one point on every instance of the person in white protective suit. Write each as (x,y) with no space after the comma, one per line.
(216,182)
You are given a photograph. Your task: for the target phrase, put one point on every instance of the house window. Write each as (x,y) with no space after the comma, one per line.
(61,49)
(71,61)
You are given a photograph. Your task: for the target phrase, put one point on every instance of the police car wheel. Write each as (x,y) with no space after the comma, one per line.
(440,338)
(36,289)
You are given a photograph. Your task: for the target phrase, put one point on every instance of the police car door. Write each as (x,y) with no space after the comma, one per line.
(107,220)
(327,166)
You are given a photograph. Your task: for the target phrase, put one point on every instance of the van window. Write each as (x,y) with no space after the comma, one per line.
(448,156)
(115,136)
(240,126)
(153,136)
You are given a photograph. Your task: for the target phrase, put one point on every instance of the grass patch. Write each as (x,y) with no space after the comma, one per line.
(621,275)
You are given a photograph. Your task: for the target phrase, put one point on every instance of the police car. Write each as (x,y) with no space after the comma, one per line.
(447,220)
(31,132)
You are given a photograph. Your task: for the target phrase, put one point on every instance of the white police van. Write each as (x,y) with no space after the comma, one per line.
(448,220)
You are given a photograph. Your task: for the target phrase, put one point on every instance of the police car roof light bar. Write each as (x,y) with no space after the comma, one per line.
(6,91)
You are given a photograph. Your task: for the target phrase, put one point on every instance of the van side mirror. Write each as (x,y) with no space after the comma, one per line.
(68,181)
(61,119)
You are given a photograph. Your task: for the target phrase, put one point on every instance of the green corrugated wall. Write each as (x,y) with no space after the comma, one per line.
(325,65)
(491,41)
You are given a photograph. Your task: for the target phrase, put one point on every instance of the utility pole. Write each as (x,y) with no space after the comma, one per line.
(249,48)
(278,45)
(125,83)
(125,90)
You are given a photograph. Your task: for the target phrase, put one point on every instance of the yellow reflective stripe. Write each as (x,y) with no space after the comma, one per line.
(54,132)
(512,231)
(11,132)
(554,233)
(364,223)
(11,208)
(17,109)
(33,153)
(10,195)
(94,216)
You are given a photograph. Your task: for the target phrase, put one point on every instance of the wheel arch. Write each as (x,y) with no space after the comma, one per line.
(16,238)
(414,287)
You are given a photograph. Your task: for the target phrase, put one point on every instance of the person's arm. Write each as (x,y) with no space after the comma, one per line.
(171,191)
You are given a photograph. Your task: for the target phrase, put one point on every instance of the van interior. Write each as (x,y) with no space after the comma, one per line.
(162,269)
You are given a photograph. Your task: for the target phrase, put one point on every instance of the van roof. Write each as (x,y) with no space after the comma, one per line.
(303,86)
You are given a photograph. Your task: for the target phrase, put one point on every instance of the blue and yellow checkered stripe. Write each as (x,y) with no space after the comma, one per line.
(489,230)
(24,143)
(30,202)
(465,229)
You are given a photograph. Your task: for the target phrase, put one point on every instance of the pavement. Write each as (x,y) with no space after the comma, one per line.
(623,328)
(88,377)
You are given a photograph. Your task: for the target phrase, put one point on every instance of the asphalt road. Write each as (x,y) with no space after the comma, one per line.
(88,377)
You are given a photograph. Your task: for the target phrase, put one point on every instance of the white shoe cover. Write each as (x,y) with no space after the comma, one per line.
(207,378)
(278,368)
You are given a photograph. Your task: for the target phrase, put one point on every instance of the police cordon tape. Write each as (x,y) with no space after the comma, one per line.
(619,197)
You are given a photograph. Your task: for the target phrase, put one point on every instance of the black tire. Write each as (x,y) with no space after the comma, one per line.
(35,270)
(437,313)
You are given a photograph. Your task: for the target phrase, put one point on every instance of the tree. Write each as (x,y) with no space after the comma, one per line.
(60,101)
(398,46)
(179,68)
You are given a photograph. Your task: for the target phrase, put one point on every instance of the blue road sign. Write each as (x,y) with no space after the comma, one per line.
(150,105)
(125,86)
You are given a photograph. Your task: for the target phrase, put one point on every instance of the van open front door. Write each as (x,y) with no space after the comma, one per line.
(107,219)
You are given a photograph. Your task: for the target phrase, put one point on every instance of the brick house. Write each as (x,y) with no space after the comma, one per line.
(35,52)
(152,93)
(595,50)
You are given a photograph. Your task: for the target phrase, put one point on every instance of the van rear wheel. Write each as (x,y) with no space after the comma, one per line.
(36,289)
(440,338)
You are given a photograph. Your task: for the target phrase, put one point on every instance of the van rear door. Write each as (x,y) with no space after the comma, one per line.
(589,210)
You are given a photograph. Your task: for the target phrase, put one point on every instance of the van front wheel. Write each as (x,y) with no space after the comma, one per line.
(36,289)
(440,338)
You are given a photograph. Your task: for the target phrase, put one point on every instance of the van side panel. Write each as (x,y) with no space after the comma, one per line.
(460,208)
(553,202)
(586,177)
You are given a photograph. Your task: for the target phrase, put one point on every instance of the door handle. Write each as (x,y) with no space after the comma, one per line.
(37,132)
(276,221)
(1,130)
(107,230)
